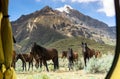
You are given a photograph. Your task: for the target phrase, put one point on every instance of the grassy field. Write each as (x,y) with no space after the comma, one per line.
(96,69)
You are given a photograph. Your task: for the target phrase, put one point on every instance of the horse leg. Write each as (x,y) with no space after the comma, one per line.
(57,62)
(32,65)
(29,66)
(25,66)
(69,64)
(40,63)
(72,62)
(55,65)
(45,63)
(85,60)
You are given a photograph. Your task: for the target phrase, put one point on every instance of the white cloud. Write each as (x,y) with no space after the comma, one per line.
(84,1)
(107,7)
(37,0)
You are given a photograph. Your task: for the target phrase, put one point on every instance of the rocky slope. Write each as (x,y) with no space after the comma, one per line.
(48,25)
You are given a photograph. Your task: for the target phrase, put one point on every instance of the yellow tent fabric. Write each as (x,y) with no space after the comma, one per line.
(6,47)
(6,43)
(116,73)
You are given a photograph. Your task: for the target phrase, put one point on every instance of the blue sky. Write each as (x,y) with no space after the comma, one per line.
(102,10)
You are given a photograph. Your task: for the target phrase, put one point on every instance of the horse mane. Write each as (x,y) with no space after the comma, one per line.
(41,49)
(21,57)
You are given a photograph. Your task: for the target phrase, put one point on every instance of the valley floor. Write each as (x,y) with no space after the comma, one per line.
(60,74)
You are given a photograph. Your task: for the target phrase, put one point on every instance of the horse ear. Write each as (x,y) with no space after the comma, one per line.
(86,44)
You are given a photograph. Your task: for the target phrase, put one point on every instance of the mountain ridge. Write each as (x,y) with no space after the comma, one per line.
(55,25)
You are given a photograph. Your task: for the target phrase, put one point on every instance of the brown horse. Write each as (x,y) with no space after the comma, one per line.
(88,53)
(25,58)
(13,59)
(75,55)
(98,54)
(43,54)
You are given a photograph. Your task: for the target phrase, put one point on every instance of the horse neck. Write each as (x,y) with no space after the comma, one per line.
(64,54)
(70,53)
(22,58)
(42,49)
(87,49)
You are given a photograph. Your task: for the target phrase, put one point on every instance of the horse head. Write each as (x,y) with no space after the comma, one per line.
(64,54)
(84,46)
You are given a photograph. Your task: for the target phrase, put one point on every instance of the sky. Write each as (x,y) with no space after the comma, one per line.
(103,10)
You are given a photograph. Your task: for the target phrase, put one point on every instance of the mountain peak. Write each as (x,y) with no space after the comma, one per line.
(66,8)
(47,9)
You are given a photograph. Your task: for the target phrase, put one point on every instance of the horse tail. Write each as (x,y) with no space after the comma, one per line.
(57,61)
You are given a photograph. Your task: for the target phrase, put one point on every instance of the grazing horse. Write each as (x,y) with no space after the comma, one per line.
(88,53)
(43,54)
(70,58)
(75,55)
(25,58)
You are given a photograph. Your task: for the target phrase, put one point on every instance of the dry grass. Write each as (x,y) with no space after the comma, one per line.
(62,73)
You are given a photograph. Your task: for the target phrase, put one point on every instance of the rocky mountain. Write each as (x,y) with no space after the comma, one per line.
(48,25)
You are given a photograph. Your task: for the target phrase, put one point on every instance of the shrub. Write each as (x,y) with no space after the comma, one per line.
(78,65)
(102,64)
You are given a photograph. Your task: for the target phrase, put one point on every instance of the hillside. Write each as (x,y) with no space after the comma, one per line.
(47,26)
(75,43)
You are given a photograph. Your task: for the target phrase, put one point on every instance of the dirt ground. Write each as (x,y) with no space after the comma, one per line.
(80,74)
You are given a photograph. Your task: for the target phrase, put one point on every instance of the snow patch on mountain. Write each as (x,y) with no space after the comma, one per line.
(65,8)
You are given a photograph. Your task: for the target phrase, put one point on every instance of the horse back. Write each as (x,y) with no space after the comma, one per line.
(91,53)
(75,55)
(51,53)
(27,57)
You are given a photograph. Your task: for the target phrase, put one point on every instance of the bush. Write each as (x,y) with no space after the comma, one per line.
(101,65)
(78,65)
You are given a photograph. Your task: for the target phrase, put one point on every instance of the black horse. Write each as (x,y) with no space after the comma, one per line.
(43,54)
(70,58)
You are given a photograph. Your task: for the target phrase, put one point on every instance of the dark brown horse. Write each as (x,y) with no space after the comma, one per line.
(43,54)
(25,58)
(88,53)
(75,55)
(70,58)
